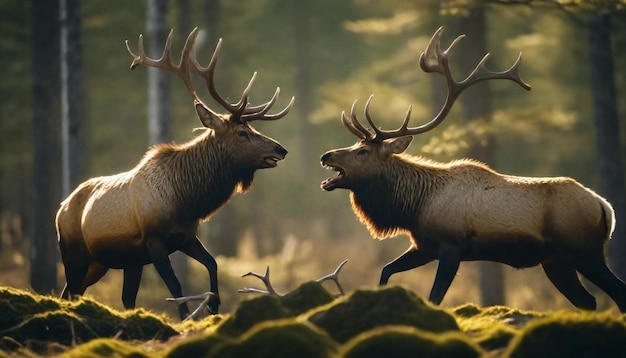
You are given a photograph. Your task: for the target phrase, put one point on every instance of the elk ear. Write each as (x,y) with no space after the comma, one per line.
(400,144)
(208,118)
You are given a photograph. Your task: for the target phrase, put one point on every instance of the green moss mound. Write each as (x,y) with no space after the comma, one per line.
(492,327)
(308,296)
(198,346)
(28,318)
(566,334)
(279,339)
(105,347)
(250,313)
(403,341)
(364,310)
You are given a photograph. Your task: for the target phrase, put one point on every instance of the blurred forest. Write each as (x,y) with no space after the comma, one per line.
(326,54)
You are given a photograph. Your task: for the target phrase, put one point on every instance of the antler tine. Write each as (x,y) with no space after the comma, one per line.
(259,112)
(266,280)
(165,62)
(334,277)
(243,102)
(433,59)
(354,125)
(381,135)
(204,297)
(208,73)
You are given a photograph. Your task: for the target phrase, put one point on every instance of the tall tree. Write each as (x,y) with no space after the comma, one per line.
(160,100)
(476,105)
(71,94)
(606,123)
(46,144)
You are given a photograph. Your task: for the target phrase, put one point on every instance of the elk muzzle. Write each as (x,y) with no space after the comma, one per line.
(327,162)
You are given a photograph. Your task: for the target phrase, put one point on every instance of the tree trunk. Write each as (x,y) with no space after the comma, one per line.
(160,103)
(46,145)
(476,105)
(71,94)
(606,123)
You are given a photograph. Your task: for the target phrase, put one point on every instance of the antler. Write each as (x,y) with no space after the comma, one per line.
(433,59)
(240,111)
(202,307)
(270,290)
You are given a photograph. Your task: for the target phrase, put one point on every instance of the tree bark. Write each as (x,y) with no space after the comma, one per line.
(606,122)
(71,94)
(476,105)
(46,145)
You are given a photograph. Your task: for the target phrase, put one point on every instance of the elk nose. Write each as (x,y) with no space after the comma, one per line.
(325,157)
(280,150)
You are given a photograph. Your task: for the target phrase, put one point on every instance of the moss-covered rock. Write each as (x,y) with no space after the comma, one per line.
(568,334)
(197,346)
(307,296)
(250,313)
(105,347)
(277,339)
(404,341)
(364,310)
(29,318)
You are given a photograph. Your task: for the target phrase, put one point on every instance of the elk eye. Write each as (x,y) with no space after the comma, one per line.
(243,134)
(362,152)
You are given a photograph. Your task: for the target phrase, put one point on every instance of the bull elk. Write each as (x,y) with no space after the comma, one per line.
(138,217)
(464,211)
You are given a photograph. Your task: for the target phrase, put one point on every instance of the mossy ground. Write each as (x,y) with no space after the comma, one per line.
(309,322)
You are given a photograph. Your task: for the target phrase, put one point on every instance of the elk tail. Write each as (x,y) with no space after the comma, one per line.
(608,215)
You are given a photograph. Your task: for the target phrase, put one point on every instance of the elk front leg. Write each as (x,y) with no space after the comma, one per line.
(411,259)
(449,261)
(194,249)
(160,259)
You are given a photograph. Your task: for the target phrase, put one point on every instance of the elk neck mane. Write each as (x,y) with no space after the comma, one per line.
(200,174)
(389,201)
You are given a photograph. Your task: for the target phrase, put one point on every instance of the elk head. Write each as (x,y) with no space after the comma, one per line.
(251,149)
(370,154)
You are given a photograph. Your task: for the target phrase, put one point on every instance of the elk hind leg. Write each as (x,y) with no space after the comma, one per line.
(132,278)
(562,274)
(596,271)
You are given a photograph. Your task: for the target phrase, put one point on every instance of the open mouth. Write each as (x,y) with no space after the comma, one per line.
(331,183)
(271,161)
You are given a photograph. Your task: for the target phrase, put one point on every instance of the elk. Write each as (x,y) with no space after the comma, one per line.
(465,211)
(138,217)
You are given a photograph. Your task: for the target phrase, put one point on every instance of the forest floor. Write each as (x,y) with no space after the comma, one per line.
(307,322)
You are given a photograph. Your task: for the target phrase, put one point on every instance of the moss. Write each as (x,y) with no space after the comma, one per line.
(197,346)
(54,326)
(141,325)
(250,313)
(404,341)
(566,334)
(365,310)
(16,304)
(307,296)
(105,347)
(278,339)
(467,310)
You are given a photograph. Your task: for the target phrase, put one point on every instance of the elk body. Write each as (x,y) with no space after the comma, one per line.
(464,211)
(128,220)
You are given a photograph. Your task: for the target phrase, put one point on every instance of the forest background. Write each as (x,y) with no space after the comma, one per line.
(326,54)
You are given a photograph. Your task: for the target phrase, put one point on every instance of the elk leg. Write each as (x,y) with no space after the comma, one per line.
(410,259)
(564,277)
(95,271)
(159,256)
(194,249)
(132,278)
(449,261)
(597,272)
